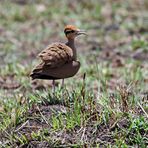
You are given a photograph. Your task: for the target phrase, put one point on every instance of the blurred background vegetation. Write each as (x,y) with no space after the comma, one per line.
(114,53)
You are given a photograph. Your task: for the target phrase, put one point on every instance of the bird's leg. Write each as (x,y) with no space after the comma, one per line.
(62,83)
(53,86)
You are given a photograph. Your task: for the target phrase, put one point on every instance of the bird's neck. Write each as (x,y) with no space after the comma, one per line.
(71,44)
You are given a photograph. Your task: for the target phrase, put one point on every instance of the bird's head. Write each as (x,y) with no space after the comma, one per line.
(71,31)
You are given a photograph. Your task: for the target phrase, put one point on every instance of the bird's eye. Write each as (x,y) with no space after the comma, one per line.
(72,31)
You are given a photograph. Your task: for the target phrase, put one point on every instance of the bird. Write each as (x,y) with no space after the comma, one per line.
(59,60)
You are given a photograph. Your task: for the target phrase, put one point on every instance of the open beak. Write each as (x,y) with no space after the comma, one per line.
(79,32)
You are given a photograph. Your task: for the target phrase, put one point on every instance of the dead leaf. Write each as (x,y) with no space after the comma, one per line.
(8,82)
(40,8)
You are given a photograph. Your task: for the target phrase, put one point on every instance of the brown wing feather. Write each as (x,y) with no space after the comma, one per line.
(43,71)
(56,54)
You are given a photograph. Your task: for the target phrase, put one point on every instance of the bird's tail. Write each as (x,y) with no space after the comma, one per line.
(35,74)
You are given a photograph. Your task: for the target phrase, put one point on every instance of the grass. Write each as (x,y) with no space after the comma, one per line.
(104,105)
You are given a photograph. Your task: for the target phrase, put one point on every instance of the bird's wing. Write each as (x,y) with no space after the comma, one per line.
(56,54)
(42,71)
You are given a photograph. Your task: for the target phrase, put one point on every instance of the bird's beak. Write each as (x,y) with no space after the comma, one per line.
(79,32)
